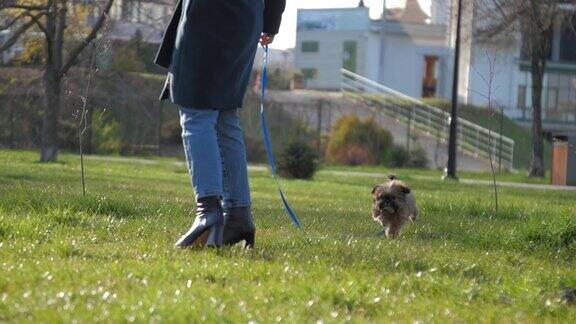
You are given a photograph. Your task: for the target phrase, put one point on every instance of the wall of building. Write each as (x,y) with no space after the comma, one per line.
(500,62)
(404,64)
(405,47)
(373,45)
(329,57)
(330,29)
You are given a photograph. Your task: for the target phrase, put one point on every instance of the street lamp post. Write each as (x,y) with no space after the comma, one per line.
(453,140)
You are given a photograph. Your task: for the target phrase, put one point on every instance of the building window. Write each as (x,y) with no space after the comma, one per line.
(350,57)
(309,73)
(310,47)
(568,42)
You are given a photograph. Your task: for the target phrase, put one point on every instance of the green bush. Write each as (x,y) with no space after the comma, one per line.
(418,158)
(354,142)
(298,160)
(106,137)
(399,157)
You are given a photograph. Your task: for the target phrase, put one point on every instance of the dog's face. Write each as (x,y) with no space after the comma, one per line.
(390,197)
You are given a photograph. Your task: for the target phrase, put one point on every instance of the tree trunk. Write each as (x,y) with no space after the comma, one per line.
(49,147)
(55,26)
(539,57)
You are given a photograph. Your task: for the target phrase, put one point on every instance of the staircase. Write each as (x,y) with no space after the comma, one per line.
(473,140)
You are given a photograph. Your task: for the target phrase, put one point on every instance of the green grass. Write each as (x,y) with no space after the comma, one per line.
(109,256)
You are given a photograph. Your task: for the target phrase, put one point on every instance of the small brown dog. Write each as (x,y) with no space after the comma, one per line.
(393,205)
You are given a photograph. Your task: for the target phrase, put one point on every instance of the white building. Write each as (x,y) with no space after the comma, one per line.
(413,53)
(148,17)
(9,54)
(329,39)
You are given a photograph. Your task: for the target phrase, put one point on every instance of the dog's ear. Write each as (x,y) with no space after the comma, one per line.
(375,188)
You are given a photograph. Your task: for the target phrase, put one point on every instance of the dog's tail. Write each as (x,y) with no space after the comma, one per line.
(392,176)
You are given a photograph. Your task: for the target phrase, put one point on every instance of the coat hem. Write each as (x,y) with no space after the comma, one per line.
(204,106)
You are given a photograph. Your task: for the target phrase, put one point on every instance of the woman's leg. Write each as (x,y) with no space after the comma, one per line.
(234,163)
(202,152)
(238,223)
(205,165)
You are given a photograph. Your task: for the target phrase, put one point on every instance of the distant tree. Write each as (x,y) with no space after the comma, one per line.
(54,19)
(534,20)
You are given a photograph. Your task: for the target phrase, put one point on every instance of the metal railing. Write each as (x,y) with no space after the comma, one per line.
(473,140)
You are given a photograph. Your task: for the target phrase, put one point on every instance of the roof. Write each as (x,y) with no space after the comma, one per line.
(412,13)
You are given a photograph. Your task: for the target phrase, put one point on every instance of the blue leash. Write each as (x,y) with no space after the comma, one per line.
(267,142)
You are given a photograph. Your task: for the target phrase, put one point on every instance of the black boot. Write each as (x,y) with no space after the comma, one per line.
(239,226)
(208,225)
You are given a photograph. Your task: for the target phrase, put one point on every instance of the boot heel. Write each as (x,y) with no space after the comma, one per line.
(207,227)
(202,239)
(250,238)
(215,236)
(239,226)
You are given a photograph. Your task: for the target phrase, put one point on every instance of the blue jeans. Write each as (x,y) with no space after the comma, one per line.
(216,155)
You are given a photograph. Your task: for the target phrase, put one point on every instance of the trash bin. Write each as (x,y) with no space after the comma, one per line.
(564,161)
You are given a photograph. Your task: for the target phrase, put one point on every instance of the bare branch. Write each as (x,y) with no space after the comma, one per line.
(17,5)
(504,23)
(15,20)
(16,35)
(36,19)
(93,33)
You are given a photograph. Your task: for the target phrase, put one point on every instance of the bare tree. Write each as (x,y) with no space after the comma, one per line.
(491,58)
(534,20)
(52,19)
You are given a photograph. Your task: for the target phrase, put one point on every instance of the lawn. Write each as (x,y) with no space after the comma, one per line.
(109,256)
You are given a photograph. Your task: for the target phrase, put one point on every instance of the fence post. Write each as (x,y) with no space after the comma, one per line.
(429,120)
(408,128)
(512,156)
(319,126)
(501,138)
(477,140)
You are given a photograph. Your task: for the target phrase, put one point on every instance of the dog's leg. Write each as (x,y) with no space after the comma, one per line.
(392,230)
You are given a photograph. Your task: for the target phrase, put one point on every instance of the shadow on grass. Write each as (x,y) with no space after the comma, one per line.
(67,209)
(16,177)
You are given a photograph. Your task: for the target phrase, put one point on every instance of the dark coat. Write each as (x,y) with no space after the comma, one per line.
(209,48)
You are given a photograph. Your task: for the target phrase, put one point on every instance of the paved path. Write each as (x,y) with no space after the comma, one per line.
(465,181)
(355,174)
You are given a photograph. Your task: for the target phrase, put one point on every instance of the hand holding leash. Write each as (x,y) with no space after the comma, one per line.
(266,39)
